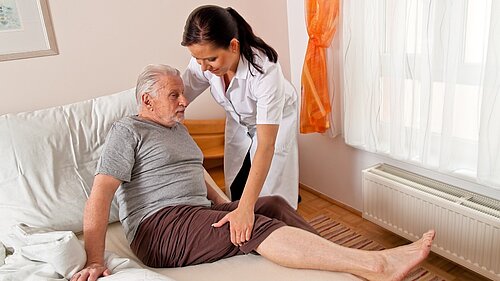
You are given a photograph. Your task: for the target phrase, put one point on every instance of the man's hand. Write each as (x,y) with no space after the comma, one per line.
(91,272)
(240,225)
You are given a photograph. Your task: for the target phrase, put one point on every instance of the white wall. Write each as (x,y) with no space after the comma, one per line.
(329,165)
(103,46)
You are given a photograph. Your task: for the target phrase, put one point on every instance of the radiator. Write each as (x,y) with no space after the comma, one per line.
(467,225)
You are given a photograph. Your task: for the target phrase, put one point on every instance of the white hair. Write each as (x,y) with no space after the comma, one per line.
(149,76)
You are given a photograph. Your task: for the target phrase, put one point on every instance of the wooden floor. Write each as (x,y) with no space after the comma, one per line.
(313,205)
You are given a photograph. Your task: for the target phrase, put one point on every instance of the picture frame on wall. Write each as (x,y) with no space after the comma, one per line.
(26,30)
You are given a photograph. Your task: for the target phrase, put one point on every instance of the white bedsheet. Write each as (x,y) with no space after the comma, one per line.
(41,254)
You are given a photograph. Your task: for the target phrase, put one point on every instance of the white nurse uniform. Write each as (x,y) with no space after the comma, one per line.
(261,98)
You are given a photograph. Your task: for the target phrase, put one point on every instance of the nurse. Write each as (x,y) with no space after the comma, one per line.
(245,78)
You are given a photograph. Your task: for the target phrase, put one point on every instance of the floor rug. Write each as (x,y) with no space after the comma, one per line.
(343,235)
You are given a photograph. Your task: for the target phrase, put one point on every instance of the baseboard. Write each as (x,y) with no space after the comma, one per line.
(329,199)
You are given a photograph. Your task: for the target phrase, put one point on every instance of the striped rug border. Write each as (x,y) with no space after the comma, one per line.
(341,234)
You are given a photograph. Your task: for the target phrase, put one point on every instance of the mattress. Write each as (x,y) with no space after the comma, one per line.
(242,268)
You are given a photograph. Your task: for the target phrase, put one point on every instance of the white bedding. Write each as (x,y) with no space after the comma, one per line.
(42,254)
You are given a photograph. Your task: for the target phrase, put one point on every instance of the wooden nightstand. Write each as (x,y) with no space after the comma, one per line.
(209,135)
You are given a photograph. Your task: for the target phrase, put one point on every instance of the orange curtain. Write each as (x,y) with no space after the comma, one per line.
(321,20)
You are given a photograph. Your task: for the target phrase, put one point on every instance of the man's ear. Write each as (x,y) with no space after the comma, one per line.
(234,45)
(146,101)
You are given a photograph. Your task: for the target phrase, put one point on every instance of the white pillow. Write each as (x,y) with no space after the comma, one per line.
(49,158)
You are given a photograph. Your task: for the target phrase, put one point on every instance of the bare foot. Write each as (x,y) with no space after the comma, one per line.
(396,263)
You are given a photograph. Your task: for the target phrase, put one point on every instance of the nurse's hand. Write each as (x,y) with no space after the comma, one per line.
(240,225)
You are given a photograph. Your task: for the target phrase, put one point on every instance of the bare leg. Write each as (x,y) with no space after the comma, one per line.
(296,248)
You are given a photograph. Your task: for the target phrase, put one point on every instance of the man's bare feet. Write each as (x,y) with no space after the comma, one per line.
(394,264)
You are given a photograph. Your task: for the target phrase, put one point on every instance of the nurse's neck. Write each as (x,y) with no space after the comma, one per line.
(231,72)
(232,55)
(226,78)
(229,75)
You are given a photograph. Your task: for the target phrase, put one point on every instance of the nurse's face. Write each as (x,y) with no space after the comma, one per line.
(219,61)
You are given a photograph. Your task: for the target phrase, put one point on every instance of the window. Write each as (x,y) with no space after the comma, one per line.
(421,81)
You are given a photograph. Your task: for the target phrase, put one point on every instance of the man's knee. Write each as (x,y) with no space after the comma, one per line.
(274,204)
(277,200)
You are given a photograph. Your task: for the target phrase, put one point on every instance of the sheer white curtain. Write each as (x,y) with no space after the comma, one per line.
(422,83)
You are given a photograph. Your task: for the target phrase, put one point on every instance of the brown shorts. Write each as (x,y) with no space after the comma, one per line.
(182,235)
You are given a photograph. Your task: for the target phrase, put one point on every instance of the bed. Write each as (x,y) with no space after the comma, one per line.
(48,161)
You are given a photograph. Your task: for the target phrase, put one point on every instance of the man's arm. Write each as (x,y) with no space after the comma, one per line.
(213,191)
(95,222)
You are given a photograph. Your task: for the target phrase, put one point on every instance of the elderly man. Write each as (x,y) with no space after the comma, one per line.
(169,213)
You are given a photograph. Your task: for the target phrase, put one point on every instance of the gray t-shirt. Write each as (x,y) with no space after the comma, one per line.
(159,166)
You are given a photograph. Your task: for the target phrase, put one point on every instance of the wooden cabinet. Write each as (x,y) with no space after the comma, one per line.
(209,135)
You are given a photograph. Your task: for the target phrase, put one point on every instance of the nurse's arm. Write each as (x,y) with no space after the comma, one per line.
(241,220)
(261,162)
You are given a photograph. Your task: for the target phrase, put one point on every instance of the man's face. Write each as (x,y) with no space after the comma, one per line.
(169,104)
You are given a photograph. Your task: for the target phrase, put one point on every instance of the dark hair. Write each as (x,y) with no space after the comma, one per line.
(219,26)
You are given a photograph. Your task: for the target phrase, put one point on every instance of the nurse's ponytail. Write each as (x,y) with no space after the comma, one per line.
(219,26)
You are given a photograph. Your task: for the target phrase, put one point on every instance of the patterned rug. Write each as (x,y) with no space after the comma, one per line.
(343,235)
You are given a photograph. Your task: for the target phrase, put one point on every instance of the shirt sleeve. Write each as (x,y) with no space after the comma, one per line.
(270,95)
(194,80)
(118,155)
